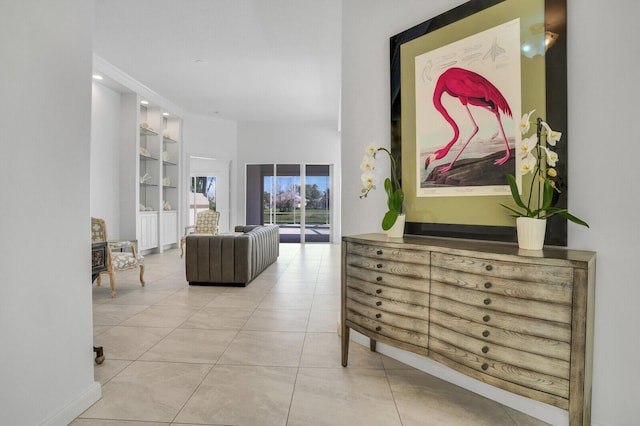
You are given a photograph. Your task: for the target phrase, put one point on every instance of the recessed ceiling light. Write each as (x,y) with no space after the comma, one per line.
(166,114)
(98,77)
(144,102)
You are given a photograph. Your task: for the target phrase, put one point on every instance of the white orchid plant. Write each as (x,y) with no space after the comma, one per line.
(395,196)
(539,160)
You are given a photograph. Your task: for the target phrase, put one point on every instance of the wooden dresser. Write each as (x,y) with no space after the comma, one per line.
(518,320)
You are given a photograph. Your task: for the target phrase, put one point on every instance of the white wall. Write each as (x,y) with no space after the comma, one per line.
(105,157)
(46,360)
(603,93)
(603,105)
(289,143)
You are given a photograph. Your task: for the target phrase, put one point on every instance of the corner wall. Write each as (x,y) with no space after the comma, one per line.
(46,334)
(603,92)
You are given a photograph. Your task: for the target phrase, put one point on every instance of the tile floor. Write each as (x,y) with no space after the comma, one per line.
(267,354)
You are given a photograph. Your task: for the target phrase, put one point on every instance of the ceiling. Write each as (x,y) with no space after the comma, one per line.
(241,60)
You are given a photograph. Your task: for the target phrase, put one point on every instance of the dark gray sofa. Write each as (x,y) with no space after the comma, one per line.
(231,259)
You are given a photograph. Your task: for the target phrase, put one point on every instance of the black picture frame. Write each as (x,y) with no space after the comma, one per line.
(555,69)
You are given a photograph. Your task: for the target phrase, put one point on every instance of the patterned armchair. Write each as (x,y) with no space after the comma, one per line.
(116,260)
(206,223)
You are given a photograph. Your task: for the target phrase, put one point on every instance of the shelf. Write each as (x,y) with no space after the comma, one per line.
(148,184)
(145,158)
(168,140)
(147,132)
(169,186)
(168,163)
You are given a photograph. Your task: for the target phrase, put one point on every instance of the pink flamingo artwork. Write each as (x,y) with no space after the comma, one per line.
(471,89)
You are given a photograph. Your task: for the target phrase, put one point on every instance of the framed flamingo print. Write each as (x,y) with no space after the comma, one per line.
(459,85)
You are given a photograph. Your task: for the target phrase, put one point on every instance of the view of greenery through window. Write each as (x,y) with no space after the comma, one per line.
(288,200)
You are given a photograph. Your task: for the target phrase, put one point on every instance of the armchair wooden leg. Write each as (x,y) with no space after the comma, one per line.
(112,282)
(182,241)
(142,275)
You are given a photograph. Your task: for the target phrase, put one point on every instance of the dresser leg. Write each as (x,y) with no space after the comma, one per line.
(345,345)
(372,345)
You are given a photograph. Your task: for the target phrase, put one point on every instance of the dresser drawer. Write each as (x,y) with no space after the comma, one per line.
(520,357)
(508,270)
(389,280)
(557,292)
(412,323)
(382,292)
(494,302)
(405,255)
(412,310)
(509,322)
(508,375)
(394,328)
(389,266)
(495,335)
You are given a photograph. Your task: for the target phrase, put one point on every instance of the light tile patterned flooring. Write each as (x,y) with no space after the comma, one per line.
(267,354)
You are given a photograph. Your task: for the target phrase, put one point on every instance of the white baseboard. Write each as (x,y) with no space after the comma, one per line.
(74,408)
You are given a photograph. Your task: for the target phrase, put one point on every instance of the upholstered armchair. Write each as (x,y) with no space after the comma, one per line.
(116,260)
(206,223)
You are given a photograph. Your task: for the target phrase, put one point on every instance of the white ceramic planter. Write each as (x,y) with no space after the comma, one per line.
(397,230)
(531,232)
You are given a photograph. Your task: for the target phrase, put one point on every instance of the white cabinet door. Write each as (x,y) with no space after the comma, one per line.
(148,230)
(169,227)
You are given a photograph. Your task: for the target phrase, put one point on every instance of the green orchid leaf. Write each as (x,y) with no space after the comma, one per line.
(547,195)
(389,219)
(388,187)
(516,212)
(564,213)
(514,192)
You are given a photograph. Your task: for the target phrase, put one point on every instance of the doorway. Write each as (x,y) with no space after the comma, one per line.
(209,188)
(296,197)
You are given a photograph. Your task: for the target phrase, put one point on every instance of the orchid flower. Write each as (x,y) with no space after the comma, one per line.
(371,150)
(552,135)
(552,157)
(525,123)
(368,180)
(525,146)
(368,163)
(527,164)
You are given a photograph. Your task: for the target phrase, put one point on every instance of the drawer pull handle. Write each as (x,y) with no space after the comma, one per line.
(378,315)
(485,349)
(378,291)
(378,303)
(485,333)
(487,301)
(487,285)
(485,366)
(378,279)
(486,318)
(488,267)
(378,328)
(379,265)
(379,252)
